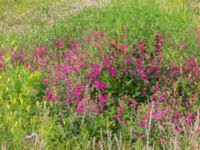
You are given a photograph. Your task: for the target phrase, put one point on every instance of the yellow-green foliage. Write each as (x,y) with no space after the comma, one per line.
(22,113)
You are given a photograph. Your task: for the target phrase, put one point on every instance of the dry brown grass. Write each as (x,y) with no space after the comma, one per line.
(34,15)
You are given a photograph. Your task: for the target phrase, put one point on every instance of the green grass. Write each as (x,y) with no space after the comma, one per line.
(136,18)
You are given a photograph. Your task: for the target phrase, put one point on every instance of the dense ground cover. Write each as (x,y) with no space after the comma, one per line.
(117,75)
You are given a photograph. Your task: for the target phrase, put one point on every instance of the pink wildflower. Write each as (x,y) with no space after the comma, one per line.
(132,101)
(69,99)
(74,69)
(95,71)
(128,61)
(139,66)
(106,62)
(143,77)
(157,115)
(95,109)
(159,42)
(77,91)
(51,96)
(99,85)
(155,88)
(122,123)
(26,66)
(80,109)
(176,113)
(143,123)
(118,116)
(112,72)
(122,49)
(120,108)
(59,44)
(102,100)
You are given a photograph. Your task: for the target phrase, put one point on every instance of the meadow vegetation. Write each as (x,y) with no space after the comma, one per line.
(106,74)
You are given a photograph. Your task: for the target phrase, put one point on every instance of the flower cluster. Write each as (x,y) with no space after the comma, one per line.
(115,78)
